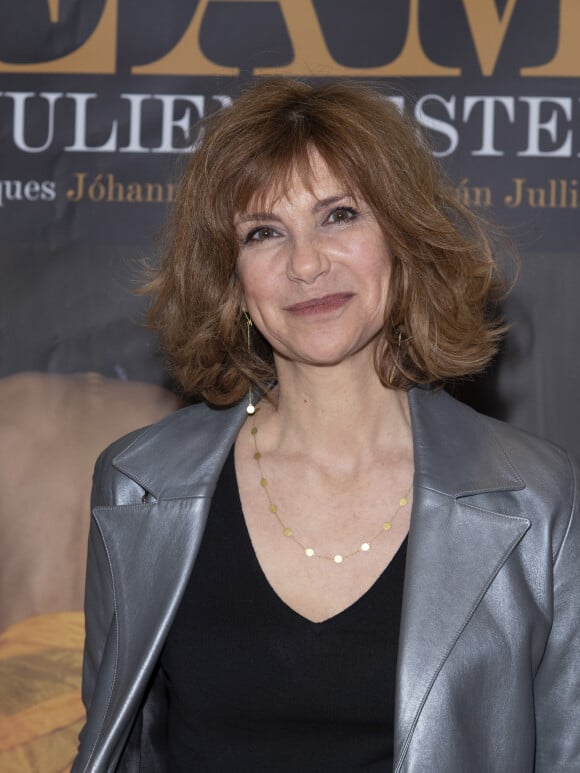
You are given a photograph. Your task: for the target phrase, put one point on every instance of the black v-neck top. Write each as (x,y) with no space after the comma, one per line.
(254,687)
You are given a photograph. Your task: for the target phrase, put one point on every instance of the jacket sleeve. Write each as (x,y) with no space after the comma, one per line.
(99,599)
(99,607)
(99,611)
(557,682)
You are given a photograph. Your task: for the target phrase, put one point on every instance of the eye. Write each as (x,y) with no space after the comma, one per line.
(342,215)
(260,234)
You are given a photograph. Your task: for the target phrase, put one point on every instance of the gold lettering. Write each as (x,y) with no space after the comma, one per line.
(106,188)
(514,199)
(563,193)
(96,190)
(537,197)
(474,195)
(134,193)
(171,189)
(115,190)
(574,194)
(488,29)
(481,196)
(96,55)
(566,61)
(186,57)
(153,192)
(159,193)
(554,193)
(78,192)
(311,55)
(54,10)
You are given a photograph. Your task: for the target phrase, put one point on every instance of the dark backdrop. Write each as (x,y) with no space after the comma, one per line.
(96,104)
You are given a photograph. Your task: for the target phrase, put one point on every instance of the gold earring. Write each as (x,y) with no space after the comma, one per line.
(250,408)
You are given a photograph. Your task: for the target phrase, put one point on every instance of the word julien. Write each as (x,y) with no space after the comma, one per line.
(83,122)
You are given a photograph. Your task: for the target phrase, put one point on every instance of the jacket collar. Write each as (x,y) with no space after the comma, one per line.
(442,429)
(182,456)
(456,451)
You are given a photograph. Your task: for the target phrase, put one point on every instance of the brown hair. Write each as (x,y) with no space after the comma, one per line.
(444,279)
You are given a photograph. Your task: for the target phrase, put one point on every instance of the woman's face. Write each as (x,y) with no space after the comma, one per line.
(314,268)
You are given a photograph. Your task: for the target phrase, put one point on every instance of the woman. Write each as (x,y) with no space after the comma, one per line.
(318,258)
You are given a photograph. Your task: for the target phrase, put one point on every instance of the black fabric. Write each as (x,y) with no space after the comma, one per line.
(254,687)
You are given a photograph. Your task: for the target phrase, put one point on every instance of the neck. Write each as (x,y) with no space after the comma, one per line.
(327,410)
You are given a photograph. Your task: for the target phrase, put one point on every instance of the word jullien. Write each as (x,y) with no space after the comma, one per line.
(554,193)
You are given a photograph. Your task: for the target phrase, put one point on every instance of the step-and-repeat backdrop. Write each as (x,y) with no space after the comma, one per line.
(98,104)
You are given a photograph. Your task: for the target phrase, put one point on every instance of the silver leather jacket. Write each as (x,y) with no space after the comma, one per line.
(488,673)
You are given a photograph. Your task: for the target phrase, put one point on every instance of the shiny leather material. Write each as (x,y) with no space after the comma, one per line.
(489,653)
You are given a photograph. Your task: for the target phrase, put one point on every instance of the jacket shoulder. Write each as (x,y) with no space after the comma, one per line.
(166,459)
(463,453)
(531,455)
(549,475)
(524,450)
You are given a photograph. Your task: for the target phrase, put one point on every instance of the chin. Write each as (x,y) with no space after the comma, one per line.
(328,357)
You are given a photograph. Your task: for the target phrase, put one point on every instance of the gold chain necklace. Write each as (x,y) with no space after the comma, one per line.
(310,552)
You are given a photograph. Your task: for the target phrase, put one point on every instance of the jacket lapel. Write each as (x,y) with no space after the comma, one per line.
(456,547)
(152,544)
(151,549)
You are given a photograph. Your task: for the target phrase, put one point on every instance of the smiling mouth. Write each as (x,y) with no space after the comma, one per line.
(318,305)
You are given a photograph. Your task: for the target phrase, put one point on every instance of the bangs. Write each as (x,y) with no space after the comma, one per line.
(268,177)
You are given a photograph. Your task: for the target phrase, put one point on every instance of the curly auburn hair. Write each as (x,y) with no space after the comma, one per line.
(444,279)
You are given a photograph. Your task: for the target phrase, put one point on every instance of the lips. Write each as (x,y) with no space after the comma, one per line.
(324,303)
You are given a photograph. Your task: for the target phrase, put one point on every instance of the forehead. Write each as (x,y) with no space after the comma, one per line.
(312,176)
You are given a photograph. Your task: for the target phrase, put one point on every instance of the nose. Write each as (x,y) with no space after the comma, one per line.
(308,260)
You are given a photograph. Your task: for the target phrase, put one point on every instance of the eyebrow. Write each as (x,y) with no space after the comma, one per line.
(257,216)
(321,204)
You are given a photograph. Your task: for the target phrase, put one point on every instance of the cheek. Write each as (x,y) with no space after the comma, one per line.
(378,264)
(381,274)
(245,278)
(256,286)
